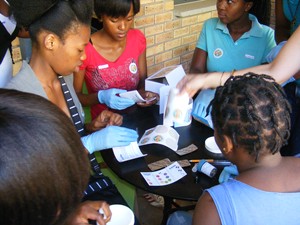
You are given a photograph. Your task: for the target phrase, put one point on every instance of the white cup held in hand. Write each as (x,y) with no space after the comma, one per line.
(121,215)
(178,109)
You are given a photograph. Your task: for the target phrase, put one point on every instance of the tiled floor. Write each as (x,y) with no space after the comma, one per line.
(148,214)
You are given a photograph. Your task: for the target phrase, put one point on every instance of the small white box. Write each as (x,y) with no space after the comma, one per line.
(161,82)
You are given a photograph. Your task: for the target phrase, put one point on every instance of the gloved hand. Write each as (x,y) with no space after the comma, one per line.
(200,106)
(111,136)
(227,173)
(109,97)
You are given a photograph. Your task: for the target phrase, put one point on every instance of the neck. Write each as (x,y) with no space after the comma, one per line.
(42,69)
(239,27)
(4,8)
(264,162)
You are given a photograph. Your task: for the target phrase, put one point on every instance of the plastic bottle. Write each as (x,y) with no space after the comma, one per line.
(206,168)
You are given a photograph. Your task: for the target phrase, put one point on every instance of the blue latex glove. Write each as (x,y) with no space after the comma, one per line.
(227,173)
(200,106)
(111,136)
(109,97)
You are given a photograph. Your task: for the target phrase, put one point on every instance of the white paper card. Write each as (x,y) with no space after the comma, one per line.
(128,152)
(162,135)
(135,96)
(166,176)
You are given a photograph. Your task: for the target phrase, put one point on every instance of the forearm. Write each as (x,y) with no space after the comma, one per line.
(88,99)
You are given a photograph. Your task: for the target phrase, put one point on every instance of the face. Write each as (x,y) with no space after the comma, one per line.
(117,28)
(232,10)
(70,52)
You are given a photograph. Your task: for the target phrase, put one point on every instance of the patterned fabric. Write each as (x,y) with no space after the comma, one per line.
(101,181)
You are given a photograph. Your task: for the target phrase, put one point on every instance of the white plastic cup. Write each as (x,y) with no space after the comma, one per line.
(121,215)
(178,109)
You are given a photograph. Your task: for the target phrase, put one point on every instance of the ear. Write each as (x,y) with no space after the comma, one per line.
(248,6)
(50,41)
(227,145)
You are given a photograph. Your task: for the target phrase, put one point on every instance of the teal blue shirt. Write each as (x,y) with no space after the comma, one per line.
(224,54)
(289,10)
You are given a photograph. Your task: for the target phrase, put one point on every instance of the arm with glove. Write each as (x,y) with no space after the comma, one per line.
(109,137)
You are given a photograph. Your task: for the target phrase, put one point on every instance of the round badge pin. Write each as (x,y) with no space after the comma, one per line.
(133,68)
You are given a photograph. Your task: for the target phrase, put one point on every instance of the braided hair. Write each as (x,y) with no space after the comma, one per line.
(253,111)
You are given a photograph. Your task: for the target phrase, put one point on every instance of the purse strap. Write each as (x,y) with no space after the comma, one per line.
(102,181)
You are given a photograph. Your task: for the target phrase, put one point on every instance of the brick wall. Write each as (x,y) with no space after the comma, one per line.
(170,40)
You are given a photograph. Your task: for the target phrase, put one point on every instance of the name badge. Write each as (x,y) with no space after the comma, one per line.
(100,67)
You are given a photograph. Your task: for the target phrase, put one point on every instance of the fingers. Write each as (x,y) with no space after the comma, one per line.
(190,84)
(89,210)
(115,119)
(110,118)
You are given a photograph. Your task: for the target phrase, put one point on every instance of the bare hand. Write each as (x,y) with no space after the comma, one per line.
(148,95)
(191,84)
(105,118)
(89,210)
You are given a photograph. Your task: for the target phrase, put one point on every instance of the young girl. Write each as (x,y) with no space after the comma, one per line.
(232,40)
(251,117)
(59,31)
(116,59)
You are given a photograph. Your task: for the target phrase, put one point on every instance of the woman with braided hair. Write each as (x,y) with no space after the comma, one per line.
(251,118)
(284,66)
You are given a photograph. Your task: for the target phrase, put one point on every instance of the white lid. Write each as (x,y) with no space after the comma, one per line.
(211,145)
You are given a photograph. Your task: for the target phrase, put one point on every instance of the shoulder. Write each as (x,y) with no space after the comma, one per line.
(211,22)
(136,38)
(136,34)
(260,29)
(26,81)
(206,212)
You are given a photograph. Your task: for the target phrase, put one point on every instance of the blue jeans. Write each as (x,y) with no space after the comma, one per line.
(180,218)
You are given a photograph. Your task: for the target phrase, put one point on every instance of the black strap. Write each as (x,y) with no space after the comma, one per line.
(101,181)
(5,40)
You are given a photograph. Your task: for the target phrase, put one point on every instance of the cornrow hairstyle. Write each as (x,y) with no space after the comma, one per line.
(262,10)
(115,8)
(253,111)
(43,165)
(56,16)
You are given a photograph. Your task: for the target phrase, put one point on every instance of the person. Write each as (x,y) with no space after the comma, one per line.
(287,19)
(227,42)
(59,31)
(115,61)
(9,31)
(251,117)
(230,42)
(284,66)
(37,185)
